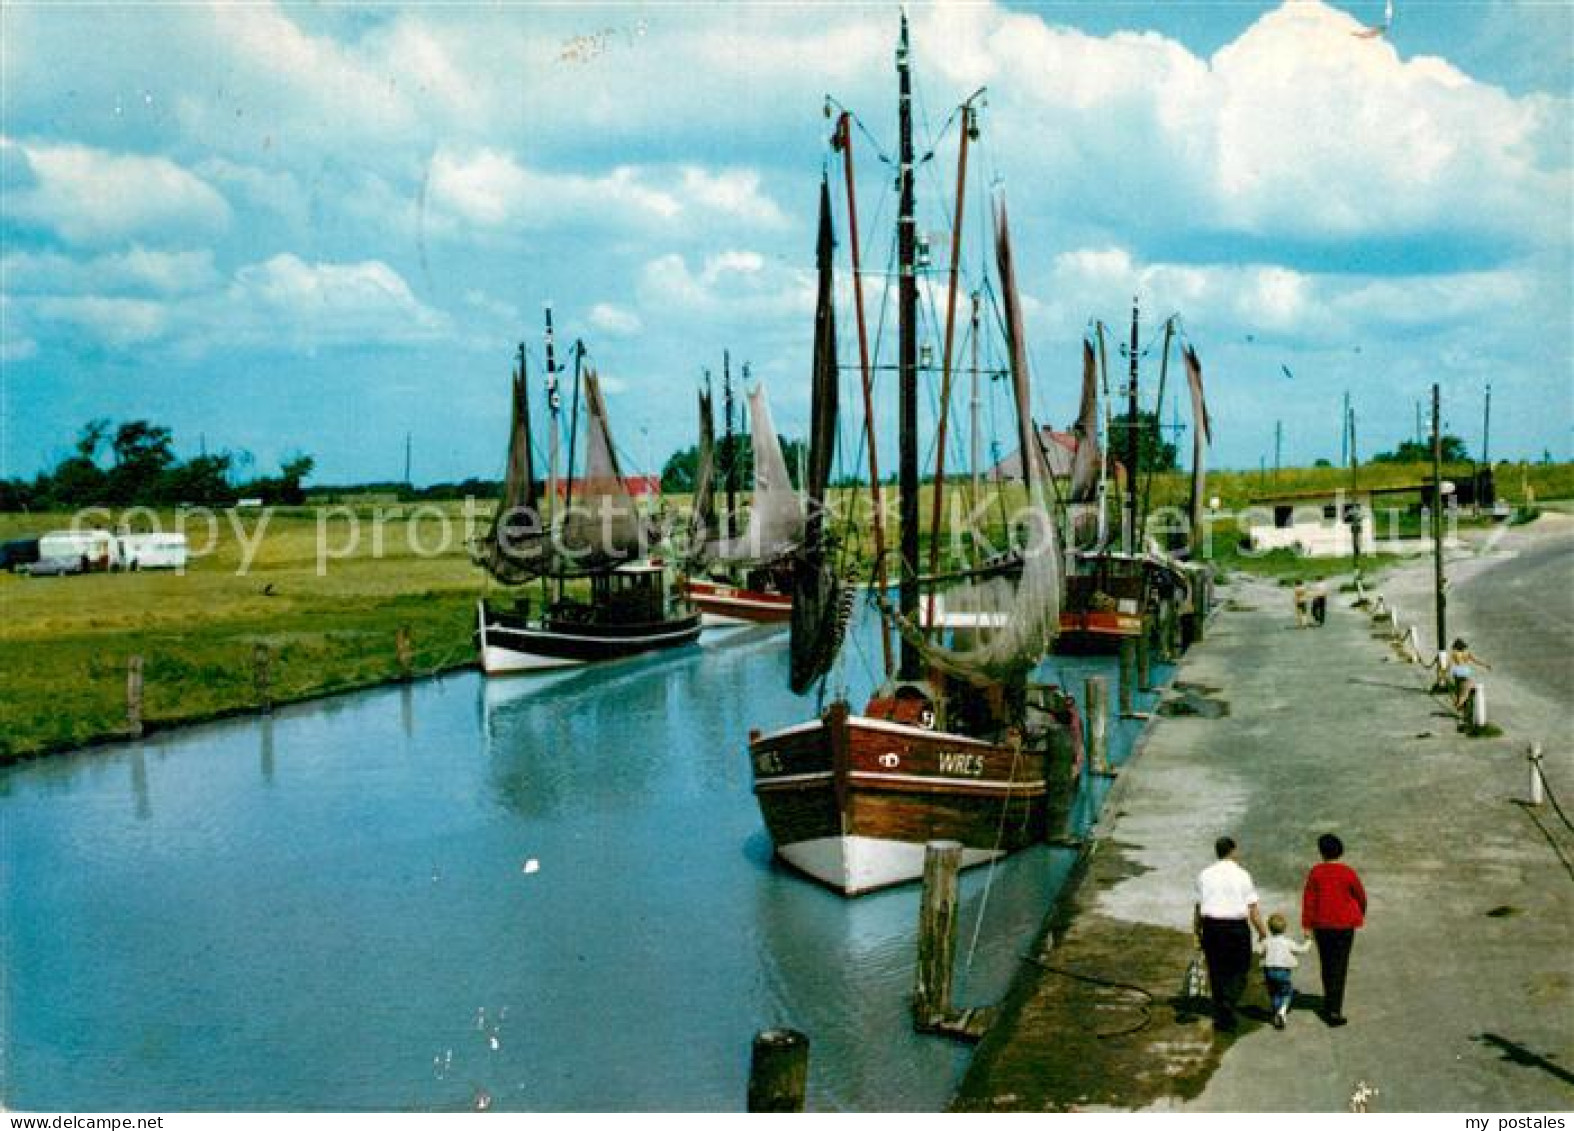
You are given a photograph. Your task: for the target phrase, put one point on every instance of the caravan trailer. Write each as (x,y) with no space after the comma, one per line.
(164,550)
(76,551)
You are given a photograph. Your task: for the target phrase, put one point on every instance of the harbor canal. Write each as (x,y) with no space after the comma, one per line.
(537,893)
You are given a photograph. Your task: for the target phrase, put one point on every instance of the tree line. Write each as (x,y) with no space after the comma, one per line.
(134,464)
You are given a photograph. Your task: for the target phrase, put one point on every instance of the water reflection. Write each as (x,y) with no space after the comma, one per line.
(141,803)
(265,748)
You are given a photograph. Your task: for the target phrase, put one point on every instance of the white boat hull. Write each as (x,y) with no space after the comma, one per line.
(857,864)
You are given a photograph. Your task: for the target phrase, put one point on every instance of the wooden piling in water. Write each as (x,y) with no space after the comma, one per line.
(778,1071)
(937,933)
(1095,696)
(262,677)
(134,696)
(405,653)
(1128,674)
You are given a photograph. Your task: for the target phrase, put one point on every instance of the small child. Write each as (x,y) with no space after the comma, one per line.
(1278,962)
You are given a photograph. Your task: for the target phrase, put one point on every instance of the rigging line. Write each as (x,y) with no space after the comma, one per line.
(989,876)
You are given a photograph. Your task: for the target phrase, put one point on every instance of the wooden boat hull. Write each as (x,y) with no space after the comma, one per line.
(510,644)
(852,800)
(723,604)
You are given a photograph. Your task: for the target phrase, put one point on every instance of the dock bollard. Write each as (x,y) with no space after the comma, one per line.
(1537,789)
(778,1071)
(937,922)
(261,677)
(1095,695)
(134,696)
(1412,645)
(403,651)
(1478,706)
(1128,673)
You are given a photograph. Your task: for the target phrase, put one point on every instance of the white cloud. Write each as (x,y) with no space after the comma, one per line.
(286,299)
(614,319)
(137,270)
(114,323)
(90,196)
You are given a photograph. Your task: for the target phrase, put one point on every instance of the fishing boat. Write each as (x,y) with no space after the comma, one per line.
(957,742)
(743,579)
(602,594)
(1123,587)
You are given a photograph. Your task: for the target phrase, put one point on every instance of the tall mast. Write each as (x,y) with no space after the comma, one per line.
(1486,428)
(907,364)
(974,406)
(1129,525)
(969,130)
(843,141)
(729,446)
(554,404)
(1105,439)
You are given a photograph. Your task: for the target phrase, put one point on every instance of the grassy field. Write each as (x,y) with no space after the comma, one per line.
(330,625)
(67,640)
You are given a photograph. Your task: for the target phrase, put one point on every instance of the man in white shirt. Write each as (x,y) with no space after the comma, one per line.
(1226,903)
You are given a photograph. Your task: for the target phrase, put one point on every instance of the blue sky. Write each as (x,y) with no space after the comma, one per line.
(316,227)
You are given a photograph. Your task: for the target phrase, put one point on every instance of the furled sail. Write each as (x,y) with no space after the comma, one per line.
(702,521)
(1202,436)
(775,512)
(1004,621)
(601,527)
(514,549)
(817,627)
(1085,460)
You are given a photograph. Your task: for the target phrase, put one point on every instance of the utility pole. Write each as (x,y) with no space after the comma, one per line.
(1355,498)
(1344,431)
(1133,445)
(407,460)
(1437,519)
(1278,448)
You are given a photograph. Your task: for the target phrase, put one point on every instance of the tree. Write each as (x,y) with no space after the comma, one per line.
(143,453)
(1154,452)
(1418,451)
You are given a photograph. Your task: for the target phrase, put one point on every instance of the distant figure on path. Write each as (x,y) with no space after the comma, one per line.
(1319,602)
(1278,966)
(1333,906)
(1226,903)
(1300,603)
(1462,672)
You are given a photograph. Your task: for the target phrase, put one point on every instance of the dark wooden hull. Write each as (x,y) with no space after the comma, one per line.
(852,800)
(510,643)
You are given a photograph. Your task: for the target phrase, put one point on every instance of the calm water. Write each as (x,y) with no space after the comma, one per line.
(553,890)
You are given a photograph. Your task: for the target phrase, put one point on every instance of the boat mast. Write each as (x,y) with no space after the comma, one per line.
(969,131)
(911,667)
(1104,442)
(974,406)
(573,437)
(842,140)
(554,403)
(730,446)
(1129,523)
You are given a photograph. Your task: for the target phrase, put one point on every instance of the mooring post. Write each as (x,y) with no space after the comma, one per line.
(1537,788)
(1478,706)
(261,678)
(1144,663)
(134,696)
(778,1071)
(403,650)
(1095,694)
(937,923)
(1128,674)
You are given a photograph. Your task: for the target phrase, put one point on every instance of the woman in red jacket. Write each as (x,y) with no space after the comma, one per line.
(1332,907)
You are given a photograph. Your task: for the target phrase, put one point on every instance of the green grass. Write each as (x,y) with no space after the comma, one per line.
(67,640)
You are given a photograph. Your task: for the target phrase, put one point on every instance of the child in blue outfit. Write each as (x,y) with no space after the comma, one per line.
(1278,964)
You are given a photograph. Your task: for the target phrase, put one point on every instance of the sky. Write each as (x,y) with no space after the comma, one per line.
(318,228)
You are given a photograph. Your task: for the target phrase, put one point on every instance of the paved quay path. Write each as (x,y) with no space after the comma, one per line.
(1461,991)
